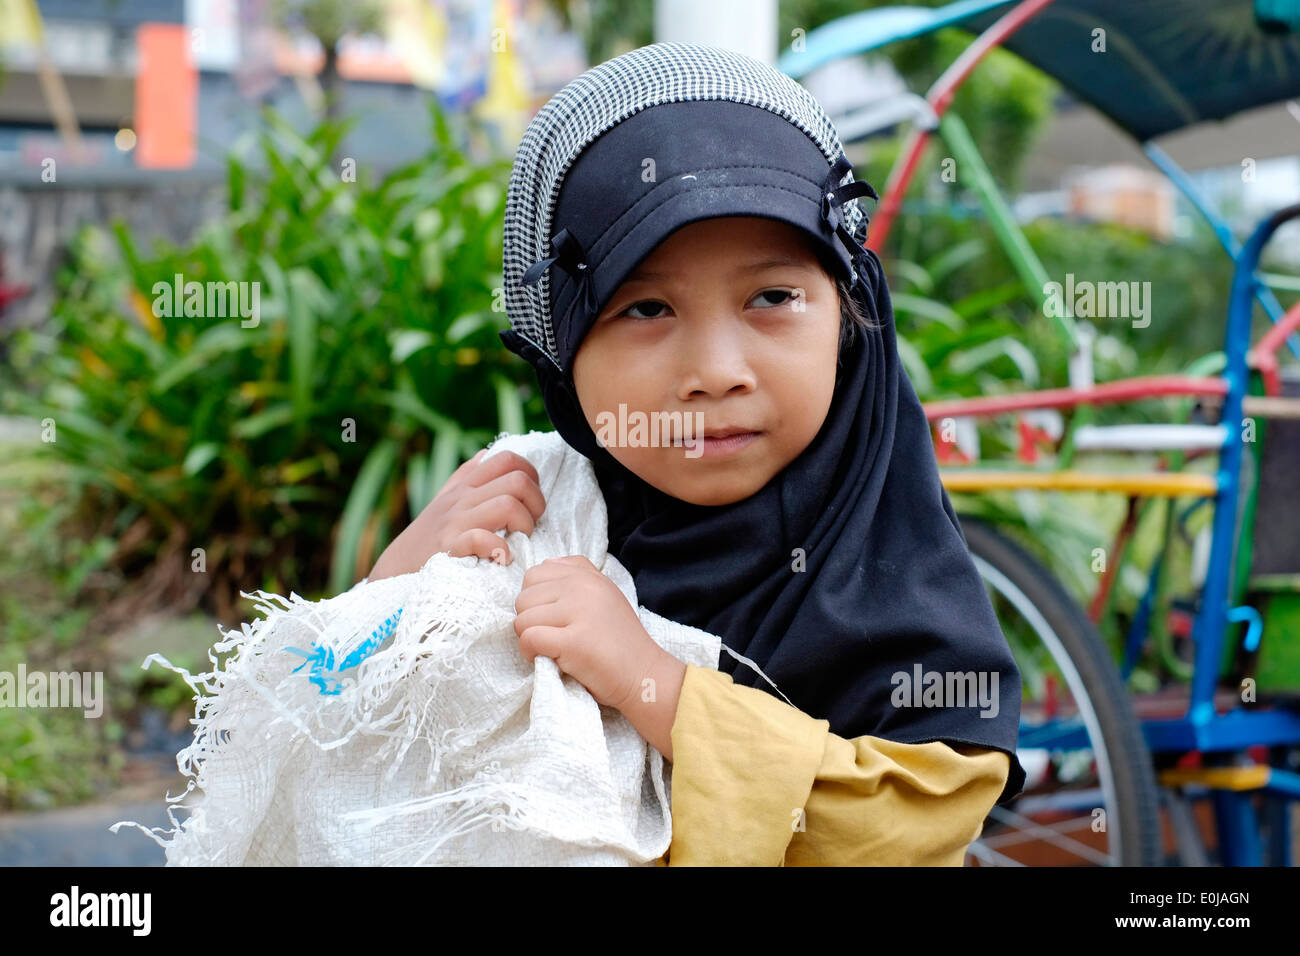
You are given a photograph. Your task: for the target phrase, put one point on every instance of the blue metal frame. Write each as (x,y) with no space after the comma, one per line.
(1212,619)
(1236,828)
(1234,730)
(872,29)
(1165,163)
(1202,728)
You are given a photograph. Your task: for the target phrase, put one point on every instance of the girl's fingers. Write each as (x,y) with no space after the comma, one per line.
(515,484)
(502,462)
(481,543)
(554,569)
(542,639)
(538,593)
(548,615)
(461,474)
(498,512)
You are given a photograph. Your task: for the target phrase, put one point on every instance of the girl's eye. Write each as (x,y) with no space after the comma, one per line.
(776,292)
(660,309)
(649,302)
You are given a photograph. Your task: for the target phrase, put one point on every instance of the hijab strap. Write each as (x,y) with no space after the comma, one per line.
(833,198)
(568,252)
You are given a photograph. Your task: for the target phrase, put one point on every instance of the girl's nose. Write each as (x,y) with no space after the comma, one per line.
(713,360)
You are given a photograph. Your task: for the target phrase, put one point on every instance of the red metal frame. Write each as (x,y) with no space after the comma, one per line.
(1150,386)
(1264,355)
(1117,551)
(940,98)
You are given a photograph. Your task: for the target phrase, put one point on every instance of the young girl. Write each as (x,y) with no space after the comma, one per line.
(683,243)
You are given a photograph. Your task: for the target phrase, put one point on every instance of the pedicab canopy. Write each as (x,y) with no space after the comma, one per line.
(1154,66)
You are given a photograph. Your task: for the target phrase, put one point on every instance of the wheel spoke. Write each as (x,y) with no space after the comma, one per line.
(985,854)
(1050,833)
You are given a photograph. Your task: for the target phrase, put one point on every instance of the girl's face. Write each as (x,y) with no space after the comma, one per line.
(734,319)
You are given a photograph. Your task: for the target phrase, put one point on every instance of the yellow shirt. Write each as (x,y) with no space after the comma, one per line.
(756,782)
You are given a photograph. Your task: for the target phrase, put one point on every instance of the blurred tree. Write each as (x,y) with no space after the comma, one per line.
(607,28)
(328,21)
(1004,102)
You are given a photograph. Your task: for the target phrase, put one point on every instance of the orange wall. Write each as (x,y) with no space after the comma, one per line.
(166,98)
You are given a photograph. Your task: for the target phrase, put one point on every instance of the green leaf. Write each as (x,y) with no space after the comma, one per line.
(466,325)
(510,407)
(257,425)
(235,178)
(924,308)
(273,306)
(911,273)
(966,361)
(983,301)
(417,482)
(199,456)
(406,342)
(302,340)
(212,344)
(953,258)
(293,493)
(915,367)
(443,460)
(410,404)
(376,472)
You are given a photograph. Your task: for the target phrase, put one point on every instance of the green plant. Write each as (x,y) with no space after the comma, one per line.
(967,327)
(329,21)
(285,446)
(48,756)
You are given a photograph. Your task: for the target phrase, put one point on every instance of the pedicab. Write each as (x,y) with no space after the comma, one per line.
(1120,778)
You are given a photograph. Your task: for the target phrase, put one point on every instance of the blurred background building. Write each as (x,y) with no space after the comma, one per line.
(112,109)
(103,98)
(168,84)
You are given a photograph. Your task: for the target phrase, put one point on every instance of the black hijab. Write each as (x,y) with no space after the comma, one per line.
(886,582)
(846,578)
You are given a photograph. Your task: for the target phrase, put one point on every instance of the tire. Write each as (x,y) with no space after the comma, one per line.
(1132,809)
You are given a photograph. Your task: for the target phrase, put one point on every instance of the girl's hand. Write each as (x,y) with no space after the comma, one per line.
(570,612)
(480,498)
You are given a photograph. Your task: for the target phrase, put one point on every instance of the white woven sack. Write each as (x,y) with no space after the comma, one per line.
(444,745)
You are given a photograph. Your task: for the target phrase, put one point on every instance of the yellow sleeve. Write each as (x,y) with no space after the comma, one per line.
(756,782)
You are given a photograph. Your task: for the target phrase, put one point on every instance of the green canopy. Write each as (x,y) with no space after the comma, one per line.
(1161,65)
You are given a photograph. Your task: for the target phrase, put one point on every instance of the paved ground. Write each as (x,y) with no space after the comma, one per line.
(25,430)
(79,836)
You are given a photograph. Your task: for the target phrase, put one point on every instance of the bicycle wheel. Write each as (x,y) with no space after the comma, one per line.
(1090,793)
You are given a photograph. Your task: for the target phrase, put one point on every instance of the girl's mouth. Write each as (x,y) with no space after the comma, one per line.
(705,447)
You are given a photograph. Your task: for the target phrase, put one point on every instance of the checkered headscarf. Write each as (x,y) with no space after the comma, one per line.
(601,98)
(888,585)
